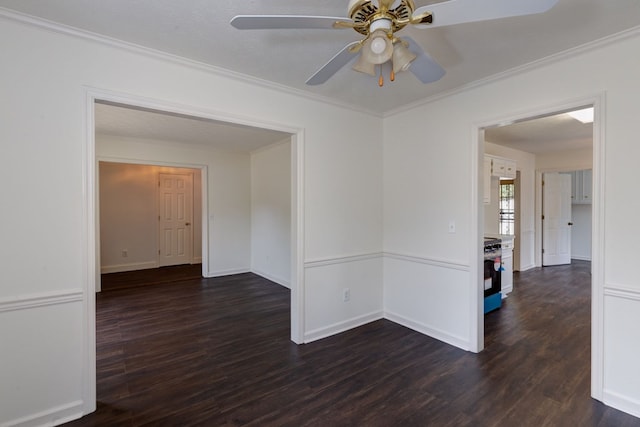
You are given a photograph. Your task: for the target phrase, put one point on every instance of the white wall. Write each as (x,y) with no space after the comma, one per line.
(46,77)
(566,160)
(129,215)
(427,185)
(229,193)
(419,201)
(271,213)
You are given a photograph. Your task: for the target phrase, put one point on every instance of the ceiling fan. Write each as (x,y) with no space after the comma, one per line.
(378,21)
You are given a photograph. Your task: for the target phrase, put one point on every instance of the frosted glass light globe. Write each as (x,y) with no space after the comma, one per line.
(378,45)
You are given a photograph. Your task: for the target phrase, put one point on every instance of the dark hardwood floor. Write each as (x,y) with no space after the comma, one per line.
(154,276)
(216,352)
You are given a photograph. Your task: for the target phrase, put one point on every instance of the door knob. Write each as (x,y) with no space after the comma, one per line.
(187,224)
(570,223)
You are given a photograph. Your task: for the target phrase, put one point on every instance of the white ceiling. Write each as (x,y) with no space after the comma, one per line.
(558,132)
(128,122)
(199,30)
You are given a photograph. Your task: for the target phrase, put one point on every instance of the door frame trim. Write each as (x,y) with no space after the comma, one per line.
(90,233)
(598,100)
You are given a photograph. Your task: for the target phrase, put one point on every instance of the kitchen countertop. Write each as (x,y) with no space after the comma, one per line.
(502,237)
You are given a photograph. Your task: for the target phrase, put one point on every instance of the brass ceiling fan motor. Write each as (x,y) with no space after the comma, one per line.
(364,12)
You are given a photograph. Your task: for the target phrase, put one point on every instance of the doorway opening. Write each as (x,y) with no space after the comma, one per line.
(237,138)
(150,217)
(552,156)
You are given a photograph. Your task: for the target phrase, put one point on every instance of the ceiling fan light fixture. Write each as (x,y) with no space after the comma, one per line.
(364,66)
(378,49)
(402,58)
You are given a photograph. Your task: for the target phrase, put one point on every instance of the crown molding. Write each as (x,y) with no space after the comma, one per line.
(175,59)
(543,62)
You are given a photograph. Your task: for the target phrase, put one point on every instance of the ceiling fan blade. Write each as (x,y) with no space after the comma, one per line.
(424,67)
(274,22)
(339,60)
(459,11)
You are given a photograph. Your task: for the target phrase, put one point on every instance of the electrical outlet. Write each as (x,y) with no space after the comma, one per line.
(125,253)
(346,295)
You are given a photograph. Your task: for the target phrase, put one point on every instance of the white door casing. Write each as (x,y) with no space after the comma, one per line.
(91,235)
(556,222)
(175,219)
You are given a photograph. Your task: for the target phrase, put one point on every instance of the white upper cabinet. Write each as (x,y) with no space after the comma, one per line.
(581,187)
(502,168)
(496,166)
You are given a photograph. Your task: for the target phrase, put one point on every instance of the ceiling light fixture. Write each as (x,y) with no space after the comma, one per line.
(364,66)
(402,57)
(585,115)
(381,47)
(378,49)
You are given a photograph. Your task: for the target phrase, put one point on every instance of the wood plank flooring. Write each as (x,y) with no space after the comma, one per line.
(216,352)
(154,276)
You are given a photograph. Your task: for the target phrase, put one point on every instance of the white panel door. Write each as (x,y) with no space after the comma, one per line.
(556,220)
(175,217)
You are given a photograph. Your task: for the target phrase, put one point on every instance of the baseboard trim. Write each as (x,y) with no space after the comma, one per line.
(339,327)
(581,258)
(622,403)
(527,267)
(429,331)
(25,302)
(119,268)
(280,281)
(51,417)
(221,273)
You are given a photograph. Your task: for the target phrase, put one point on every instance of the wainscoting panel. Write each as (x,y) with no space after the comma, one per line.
(48,324)
(429,296)
(341,294)
(621,348)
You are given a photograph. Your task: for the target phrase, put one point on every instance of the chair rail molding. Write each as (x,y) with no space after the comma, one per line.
(29,301)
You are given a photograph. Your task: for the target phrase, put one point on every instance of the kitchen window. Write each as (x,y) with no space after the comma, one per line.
(507,207)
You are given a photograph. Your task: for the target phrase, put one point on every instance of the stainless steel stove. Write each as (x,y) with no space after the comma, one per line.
(492,274)
(492,247)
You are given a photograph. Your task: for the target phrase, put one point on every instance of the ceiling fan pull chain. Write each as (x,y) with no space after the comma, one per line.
(381,79)
(392,76)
